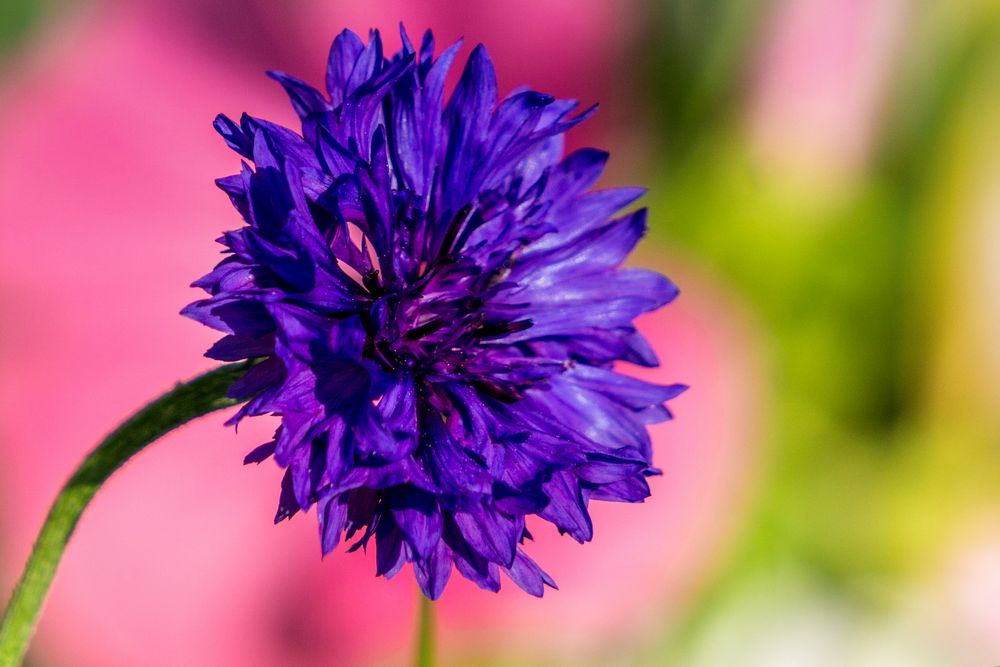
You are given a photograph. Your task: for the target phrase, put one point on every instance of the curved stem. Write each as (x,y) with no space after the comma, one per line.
(425,633)
(185,402)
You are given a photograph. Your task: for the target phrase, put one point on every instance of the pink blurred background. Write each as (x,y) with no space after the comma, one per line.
(106,182)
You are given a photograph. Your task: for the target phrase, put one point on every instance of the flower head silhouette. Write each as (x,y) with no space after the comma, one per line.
(435,293)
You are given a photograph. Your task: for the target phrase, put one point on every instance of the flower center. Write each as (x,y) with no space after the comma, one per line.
(440,329)
(428,312)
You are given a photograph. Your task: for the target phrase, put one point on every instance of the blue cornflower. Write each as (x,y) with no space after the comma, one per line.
(435,295)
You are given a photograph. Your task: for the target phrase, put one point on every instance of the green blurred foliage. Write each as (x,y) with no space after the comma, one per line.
(17,18)
(870,467)
(694,66)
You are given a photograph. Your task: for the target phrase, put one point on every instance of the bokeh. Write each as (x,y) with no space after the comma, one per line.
(824,185)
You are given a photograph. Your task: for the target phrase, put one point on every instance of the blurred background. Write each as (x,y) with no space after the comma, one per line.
(825,187)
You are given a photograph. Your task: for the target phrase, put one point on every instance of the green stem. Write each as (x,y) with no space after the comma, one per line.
(425,633)
(206,393)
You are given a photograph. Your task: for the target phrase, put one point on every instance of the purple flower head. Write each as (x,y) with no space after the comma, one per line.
(436,296)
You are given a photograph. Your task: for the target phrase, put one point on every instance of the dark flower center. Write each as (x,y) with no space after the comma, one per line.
(429,315)
(435,328)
